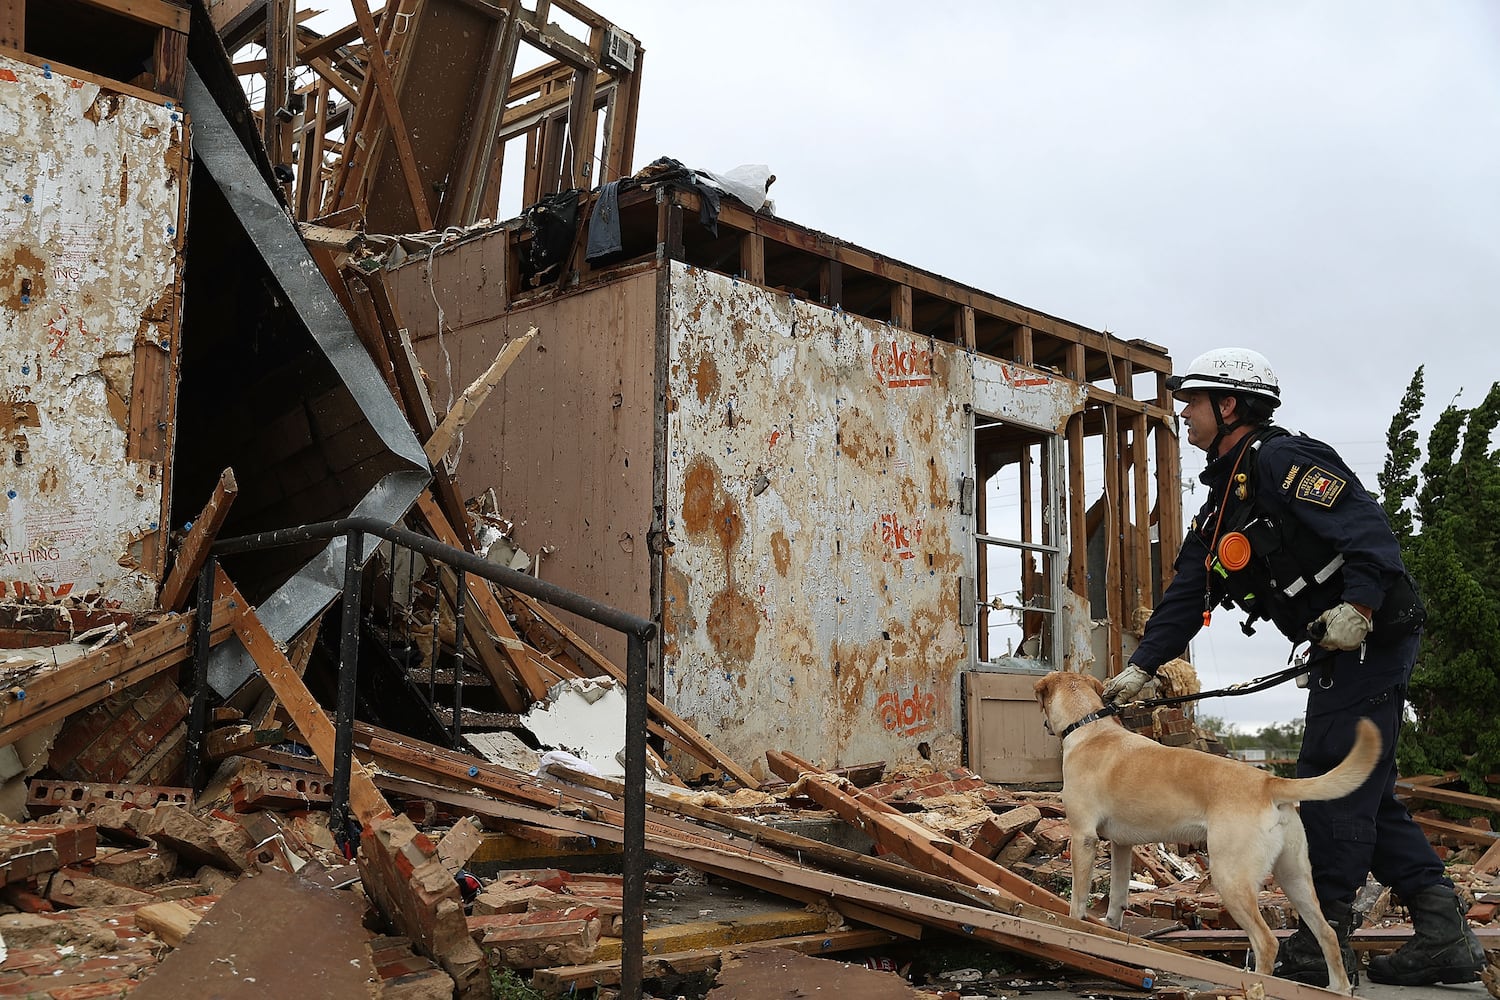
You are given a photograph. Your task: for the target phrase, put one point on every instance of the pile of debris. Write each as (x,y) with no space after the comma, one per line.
(117,887)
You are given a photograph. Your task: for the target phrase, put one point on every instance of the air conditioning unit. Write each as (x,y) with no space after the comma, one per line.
(619,49)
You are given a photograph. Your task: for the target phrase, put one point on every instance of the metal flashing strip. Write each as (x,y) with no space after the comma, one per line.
(278,243)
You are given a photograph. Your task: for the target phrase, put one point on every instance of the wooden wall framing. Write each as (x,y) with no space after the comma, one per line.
(410,134)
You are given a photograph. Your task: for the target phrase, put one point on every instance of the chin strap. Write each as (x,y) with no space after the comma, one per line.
(1221,426)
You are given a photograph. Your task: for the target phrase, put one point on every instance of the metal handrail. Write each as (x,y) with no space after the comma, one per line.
(638,631)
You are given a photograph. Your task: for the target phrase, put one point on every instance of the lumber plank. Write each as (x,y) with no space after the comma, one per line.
(520,658)
(1457,831)
(473,397)
(158,13)
(312,722)
(193,552)
(70,687)
(719,933)
(1409,789)
(564,978)
(924,848)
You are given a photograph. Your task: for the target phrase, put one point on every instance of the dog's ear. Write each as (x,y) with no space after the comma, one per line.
(1043,688)
(1096,684)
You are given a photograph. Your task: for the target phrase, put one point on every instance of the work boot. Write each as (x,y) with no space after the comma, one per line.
(1300,958)
(1443,948)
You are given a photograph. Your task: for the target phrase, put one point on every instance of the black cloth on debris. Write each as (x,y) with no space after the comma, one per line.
(552,223)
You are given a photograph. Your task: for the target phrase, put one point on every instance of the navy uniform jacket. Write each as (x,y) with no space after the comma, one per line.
(1295,477)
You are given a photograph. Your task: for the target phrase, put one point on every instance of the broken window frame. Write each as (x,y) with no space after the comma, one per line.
(1035,477)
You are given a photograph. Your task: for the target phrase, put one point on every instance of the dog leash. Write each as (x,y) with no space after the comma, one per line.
(1300,665)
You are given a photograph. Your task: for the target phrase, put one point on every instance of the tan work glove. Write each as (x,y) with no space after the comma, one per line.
(1127,686)
(1342,626)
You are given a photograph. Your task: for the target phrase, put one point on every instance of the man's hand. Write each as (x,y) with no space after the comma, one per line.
(1127,686)
(1343,626)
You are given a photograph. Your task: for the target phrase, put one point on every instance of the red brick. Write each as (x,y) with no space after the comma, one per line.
(80,730)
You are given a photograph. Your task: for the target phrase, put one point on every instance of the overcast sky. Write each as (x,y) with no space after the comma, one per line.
(1319,181)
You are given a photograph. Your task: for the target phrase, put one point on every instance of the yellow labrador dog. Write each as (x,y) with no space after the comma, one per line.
(1122,787)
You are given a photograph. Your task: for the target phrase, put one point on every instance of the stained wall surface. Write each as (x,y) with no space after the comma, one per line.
(90,243)
(814,468)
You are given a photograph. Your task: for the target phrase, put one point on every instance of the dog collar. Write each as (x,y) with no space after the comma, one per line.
(1103,713)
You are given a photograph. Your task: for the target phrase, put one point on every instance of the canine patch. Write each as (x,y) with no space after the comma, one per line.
(1321,487)
(1291,474)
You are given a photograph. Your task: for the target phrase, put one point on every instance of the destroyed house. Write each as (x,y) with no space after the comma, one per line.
(866,504)
(335,512)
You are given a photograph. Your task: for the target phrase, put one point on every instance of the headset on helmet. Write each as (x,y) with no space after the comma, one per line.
(1237,370)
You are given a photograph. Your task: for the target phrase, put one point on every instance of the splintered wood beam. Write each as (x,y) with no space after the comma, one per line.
(329,42)
(385,90)
(193,551)
(1489,861)
(520,657)
(701,747)
(1467,834)
(312,722)
(473,397)
(926,849)
(342,240)
(400,364)
(60,690)
(495,664)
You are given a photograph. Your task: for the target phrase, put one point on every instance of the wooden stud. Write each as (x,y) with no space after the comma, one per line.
(193,552)
(1114,556)
(13,24)
(512,650)
(753,258)
(312,722)
(169,62)
(901,306)
(1140,527)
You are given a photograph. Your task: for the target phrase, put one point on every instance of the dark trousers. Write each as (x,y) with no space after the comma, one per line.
(1368,831)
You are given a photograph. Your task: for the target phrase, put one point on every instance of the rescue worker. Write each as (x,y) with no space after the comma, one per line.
(1288,534)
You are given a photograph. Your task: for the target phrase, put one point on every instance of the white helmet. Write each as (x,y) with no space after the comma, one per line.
(1228,369)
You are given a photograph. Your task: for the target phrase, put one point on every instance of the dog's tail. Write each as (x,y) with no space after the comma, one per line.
(1349,775)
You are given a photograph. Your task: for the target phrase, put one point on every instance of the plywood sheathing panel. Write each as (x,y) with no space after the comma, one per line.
(442,65)
(565,440)
(813,467)
(91,254)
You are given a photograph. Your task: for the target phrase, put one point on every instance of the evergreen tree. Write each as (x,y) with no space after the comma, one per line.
(1451,540)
